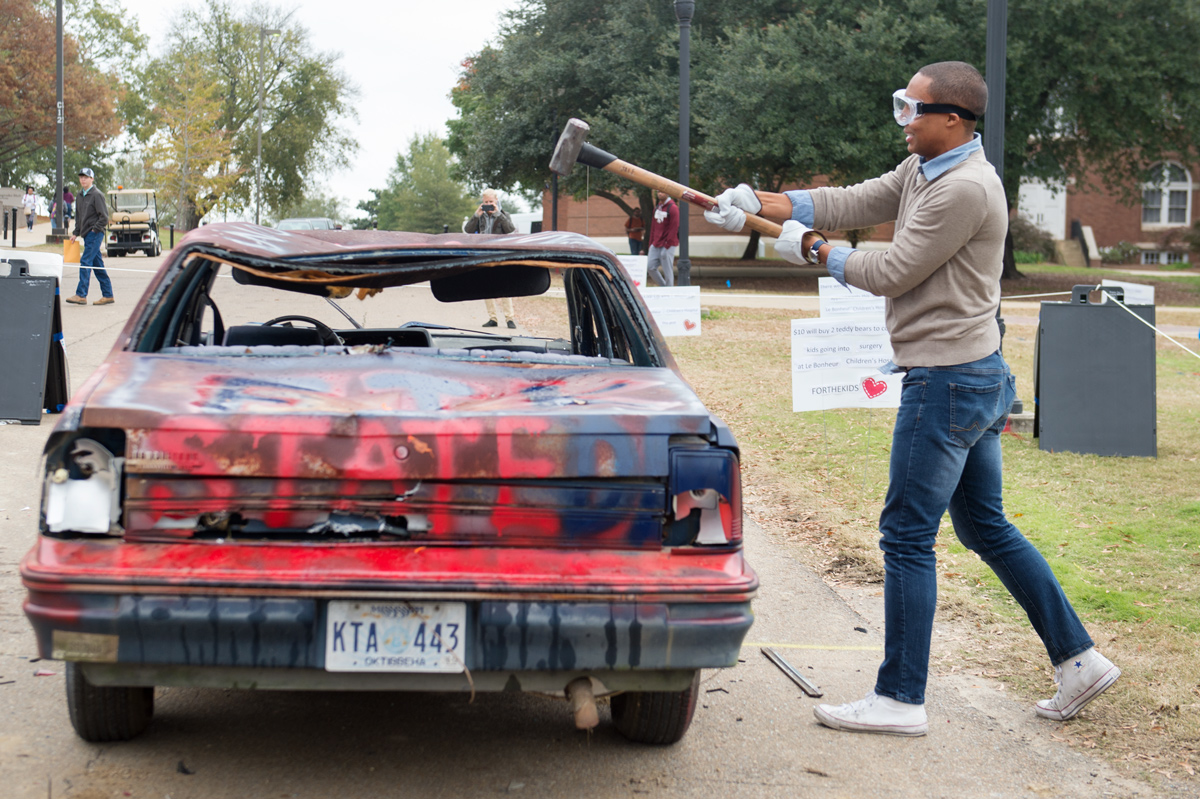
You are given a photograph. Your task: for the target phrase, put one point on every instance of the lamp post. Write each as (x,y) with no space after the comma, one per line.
(995,69)
(683,12)
(58,228)
(263,33)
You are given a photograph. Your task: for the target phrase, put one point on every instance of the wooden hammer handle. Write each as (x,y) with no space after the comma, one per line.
(683,193)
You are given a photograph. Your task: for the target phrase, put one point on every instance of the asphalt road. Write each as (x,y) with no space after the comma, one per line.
(753,736)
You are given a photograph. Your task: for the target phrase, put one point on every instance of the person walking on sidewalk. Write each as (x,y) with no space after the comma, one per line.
(91,217)
(941,281)
(29,203)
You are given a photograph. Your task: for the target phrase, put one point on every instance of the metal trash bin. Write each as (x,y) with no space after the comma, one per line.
(1094,377)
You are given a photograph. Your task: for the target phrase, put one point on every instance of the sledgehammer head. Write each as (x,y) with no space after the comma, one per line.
(573,137)
(572,146)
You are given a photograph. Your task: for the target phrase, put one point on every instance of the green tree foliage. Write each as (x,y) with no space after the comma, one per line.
(787,93)
(28,122)
(305,96)
(421,195)
(1100,95)
(188,159)
(613,64)
(371,209)
(810,96)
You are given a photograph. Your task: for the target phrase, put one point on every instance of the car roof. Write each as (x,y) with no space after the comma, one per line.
(256,240)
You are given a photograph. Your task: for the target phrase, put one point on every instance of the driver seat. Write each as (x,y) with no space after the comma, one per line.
(271,336)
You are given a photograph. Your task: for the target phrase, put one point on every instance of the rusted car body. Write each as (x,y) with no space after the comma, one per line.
(412,505)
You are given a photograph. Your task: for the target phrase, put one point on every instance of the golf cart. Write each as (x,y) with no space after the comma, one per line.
(133,222)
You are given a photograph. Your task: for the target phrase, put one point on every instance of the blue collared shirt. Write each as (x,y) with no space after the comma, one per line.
(932,169)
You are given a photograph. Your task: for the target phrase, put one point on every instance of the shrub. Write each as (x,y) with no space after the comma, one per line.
(1029,238)
(1121,253)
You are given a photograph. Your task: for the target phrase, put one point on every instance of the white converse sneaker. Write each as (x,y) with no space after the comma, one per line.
(875,713)
(1080,680)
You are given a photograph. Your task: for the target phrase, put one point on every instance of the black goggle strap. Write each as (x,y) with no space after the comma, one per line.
(944,108)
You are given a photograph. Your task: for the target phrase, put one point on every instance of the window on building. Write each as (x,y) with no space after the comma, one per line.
(1156,257)
(1167,196)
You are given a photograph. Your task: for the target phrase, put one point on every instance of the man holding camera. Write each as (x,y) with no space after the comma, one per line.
(489,218)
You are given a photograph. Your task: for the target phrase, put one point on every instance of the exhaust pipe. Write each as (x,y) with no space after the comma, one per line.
(583,703)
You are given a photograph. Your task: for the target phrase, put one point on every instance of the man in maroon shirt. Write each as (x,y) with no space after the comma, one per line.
(664,238)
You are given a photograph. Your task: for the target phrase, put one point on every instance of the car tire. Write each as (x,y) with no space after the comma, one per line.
(655,717)
(100,714)
(118,253)
(157,248)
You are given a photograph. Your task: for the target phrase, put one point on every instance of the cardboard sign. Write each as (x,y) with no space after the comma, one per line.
(676,310)
(1135,293)
(635,265)
(835,364)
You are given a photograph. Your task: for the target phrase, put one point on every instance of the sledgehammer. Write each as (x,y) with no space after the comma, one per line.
(572,147)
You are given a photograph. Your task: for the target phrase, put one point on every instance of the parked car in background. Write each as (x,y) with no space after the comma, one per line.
(305,466)
(308,223)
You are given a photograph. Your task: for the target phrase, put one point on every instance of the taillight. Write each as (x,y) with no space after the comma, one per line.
(82,489)
(705,488)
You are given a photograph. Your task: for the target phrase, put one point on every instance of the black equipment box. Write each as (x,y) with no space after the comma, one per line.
(1094,376)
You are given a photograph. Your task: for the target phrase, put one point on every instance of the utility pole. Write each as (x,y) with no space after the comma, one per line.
(995,69)
(58,231)
(263,33)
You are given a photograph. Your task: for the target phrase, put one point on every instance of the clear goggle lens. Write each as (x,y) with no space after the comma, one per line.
(904,108)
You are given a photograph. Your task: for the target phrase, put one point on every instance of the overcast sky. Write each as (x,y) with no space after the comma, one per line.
(403,57)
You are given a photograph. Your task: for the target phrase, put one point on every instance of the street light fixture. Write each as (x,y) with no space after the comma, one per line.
(263,33)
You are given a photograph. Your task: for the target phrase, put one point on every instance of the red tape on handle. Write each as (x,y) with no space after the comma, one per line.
(695,199)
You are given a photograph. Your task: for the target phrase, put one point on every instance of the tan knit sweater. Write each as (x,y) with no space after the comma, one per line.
(941,274)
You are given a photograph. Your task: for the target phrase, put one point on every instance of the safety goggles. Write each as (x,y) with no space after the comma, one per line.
(906,109)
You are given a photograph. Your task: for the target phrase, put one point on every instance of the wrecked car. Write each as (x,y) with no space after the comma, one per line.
(305,465)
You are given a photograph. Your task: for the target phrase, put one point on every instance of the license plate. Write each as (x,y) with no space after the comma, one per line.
(418,636)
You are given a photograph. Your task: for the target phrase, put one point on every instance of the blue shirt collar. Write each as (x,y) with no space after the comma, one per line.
(934,168)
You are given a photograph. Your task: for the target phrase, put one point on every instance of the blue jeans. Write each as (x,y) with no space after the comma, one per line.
(91,257)
(946,454)
(635,246)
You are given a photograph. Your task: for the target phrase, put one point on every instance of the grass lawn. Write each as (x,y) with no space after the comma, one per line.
(1120,533)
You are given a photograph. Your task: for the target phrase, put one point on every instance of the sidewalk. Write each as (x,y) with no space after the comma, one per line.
(25,239)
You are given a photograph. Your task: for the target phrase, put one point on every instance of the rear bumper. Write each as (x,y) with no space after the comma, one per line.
(278,642)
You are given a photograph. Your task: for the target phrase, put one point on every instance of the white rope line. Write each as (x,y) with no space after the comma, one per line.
(1152,327)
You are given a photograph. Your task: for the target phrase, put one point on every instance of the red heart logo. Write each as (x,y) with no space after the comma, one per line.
(873,387)
(688,324)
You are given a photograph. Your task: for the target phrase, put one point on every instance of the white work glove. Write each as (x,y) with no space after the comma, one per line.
(660,215)
(732,205)
(790,243)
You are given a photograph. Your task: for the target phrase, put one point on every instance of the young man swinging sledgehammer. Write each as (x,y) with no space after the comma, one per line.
(941,279)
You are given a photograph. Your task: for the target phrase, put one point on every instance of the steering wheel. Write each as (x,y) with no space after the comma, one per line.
(328,337)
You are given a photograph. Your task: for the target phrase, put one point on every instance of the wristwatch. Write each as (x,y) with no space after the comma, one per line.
(812,254)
